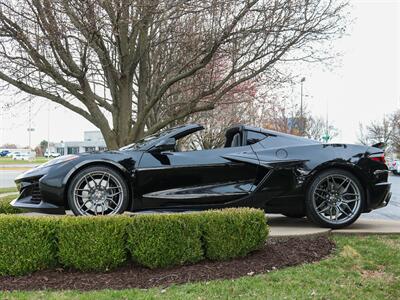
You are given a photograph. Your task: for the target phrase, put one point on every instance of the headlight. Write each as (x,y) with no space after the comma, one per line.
(58,160)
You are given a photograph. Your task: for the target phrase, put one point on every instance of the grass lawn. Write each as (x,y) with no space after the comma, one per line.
(10,161)
(8,190)
(363,267)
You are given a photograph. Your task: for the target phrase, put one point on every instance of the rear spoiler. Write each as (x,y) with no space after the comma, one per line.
(380,145)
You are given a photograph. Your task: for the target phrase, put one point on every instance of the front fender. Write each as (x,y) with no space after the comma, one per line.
(128,174)
(86,163)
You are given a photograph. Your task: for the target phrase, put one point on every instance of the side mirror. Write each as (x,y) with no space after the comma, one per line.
(165,145)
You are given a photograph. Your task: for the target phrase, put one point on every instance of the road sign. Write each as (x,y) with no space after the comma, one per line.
(326,138)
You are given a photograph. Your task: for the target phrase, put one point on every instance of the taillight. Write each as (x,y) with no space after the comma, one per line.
(379,157)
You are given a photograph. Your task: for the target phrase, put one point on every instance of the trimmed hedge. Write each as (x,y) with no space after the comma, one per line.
(27,244)
(92,243)
(100,243)
(233,232)
(165,240)
(5,207)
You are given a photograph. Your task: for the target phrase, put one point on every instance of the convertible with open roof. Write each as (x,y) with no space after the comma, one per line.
(331,184)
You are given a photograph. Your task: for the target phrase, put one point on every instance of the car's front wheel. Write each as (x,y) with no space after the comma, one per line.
(98,190)
(334,199)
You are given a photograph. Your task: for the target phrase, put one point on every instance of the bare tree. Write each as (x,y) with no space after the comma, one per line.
(385,131)
(290,119)
(125,64)
(377,132)
(218,120)
(316,128)
(396,132)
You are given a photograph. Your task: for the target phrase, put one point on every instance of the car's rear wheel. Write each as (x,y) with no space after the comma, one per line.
(98,190)
(334,199)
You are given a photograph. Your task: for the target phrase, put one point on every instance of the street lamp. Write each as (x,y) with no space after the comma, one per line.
(30,129)
(301,107)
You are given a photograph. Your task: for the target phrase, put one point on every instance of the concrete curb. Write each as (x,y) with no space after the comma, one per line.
(281,226)
(370,226)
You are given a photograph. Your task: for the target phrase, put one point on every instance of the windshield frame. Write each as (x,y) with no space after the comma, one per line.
(147,141)
(151,140)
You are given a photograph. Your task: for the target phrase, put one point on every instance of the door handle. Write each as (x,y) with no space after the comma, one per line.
(167,153)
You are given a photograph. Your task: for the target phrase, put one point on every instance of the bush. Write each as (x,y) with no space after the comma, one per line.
(92,243)
(6,208)
(100,243)
(26,244)
(165,240)
(233,232)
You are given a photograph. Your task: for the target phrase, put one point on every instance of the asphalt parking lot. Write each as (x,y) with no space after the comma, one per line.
(7,177)
(390,212)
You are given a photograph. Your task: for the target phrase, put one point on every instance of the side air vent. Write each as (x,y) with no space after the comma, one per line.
(36,195)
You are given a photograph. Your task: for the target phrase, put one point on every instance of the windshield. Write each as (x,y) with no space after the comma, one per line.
(148,139)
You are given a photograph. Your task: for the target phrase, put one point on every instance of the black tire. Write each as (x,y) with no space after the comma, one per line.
(119,188)
(395,173)
(295,216)
(318,218)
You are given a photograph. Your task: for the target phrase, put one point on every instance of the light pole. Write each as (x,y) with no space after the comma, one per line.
(301,107)
(30,129)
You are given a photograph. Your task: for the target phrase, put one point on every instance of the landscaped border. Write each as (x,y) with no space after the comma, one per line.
(274,255)
(103,243)
(362,267)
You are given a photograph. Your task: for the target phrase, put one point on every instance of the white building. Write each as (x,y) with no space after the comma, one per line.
(92,141)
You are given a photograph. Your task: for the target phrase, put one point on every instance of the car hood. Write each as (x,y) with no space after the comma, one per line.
(127,160)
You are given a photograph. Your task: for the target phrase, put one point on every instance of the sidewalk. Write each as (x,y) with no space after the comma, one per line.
(281,226)
(17,167)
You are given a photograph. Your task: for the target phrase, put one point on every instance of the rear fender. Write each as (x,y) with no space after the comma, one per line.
(343,165)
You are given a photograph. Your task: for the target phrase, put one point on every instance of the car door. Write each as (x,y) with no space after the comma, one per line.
(196,178)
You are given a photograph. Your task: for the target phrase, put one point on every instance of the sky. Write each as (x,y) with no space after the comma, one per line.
(366,84)
(363,86)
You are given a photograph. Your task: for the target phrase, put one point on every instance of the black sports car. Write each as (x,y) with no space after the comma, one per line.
(331,184)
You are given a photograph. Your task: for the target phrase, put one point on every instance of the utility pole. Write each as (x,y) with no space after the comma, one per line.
(301,107)
(326,137)
(48,129)
(30,123)
(30,129)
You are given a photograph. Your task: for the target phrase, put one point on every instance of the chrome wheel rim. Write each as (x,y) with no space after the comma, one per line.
(98,193)
(336,199)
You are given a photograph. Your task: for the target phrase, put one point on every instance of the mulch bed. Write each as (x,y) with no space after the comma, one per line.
(276,254)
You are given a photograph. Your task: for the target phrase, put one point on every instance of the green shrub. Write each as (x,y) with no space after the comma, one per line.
(26,244)
(92,243)
(165,240)
(5,207)
(233,232)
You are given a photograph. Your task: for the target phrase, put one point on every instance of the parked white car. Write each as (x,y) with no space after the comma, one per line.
(395,166)
(22,156)
(51,154)
(13,155)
